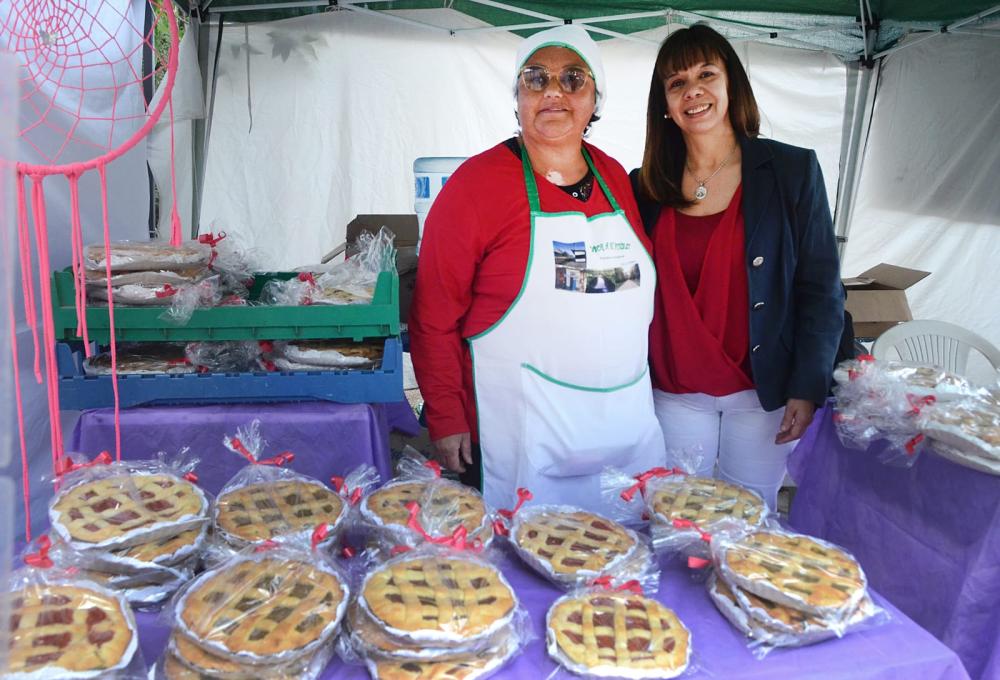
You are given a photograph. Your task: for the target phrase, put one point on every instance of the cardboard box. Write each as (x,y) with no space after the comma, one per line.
(407,232)
(876,298)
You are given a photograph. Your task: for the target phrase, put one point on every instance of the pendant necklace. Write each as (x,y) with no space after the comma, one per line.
(701,192)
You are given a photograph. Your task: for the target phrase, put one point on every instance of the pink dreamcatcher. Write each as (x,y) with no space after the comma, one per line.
(80,65)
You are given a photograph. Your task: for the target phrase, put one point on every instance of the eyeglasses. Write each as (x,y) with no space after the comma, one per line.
(571,79)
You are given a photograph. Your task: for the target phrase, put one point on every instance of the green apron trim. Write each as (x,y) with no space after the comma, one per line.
(584,388)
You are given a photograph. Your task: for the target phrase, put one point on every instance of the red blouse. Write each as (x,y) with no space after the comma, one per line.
(700,335)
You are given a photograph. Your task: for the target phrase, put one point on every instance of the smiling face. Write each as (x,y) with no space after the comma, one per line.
(553,116)
(698,98)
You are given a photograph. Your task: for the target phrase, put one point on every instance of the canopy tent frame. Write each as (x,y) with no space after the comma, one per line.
(861,62)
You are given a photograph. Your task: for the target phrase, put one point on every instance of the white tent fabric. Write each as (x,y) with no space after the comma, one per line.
(128,201)
(928,197)
(339,105)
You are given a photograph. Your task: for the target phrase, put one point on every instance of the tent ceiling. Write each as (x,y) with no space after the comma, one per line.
(835,26)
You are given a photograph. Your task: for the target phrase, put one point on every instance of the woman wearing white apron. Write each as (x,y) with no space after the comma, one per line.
(534,297)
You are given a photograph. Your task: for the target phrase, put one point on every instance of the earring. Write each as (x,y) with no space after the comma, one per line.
(666,116)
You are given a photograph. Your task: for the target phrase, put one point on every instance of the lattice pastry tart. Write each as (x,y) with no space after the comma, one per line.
(704,500)
(68,631)
(794,570)
(445,600)
(571,545)
(123,510)
(468,667)
(265,510)
(333,353)
(444,506)
(617,634)
(262,609)
(191,661)
(776,624)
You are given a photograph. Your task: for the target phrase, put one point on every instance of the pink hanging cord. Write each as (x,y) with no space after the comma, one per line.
(79,269)
(102,172)
(27,284)
(48,326)
(175,218)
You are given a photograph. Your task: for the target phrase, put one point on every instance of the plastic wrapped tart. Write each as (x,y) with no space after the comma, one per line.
(439,599)
(280,507)
(571,546)
(116,508)
(798,571)
(68,631)
(617,634)
(444,506)
(265,608)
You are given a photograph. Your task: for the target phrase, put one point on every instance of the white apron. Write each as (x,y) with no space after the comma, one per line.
(561,380)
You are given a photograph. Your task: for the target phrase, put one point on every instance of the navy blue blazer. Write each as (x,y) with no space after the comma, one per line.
(793,270)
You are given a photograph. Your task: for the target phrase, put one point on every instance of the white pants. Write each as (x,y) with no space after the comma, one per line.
(734,432)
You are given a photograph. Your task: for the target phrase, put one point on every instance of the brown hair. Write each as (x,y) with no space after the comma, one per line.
(665,152)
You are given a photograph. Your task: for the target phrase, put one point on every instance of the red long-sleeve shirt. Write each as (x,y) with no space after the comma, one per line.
(473,257)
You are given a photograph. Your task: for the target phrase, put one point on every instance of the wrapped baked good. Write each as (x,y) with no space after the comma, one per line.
(64,626)
(184,660)
(572,547)
(143,591)
(273,604)
(110,506)
(236,356)
(330,353)
(869,373)
(266,500)
(132,256)
(616,633)
(438,598)
(444,507)
(98,279)
(152,358)
(970,427)
(471,666)
(798,571)
(773,625)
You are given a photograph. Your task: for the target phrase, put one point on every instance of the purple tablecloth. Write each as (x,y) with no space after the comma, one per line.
(899,650)
(928,537)
(327,438)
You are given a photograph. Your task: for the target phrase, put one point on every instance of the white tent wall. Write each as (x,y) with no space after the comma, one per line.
(342,103)
(128,207)
(928,195)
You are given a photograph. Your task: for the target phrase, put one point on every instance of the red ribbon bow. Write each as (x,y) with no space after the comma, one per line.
(191,477)
(346,551)
(353,497)
(688,524)
(211,239)
(501,529)
(319,534)
(399,550)
(605,582)
(266,346)
(911,446)
(167,291)
(458,539)
(41,558)
(642,479)
(279,460)
(265,546)
(698,562)
(434,466)
(306,277)
(917,403)
(66,465)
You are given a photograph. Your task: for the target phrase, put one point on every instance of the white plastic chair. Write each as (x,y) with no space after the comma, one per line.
(934,343)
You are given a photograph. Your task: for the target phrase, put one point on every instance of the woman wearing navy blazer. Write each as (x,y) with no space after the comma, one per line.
(749,306)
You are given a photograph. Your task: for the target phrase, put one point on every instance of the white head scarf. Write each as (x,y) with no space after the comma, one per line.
(571,37)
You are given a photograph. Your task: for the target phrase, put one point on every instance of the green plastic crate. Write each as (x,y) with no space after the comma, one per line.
(264,322)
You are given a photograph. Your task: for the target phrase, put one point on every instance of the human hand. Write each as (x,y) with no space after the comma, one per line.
(452,450)
(798,415)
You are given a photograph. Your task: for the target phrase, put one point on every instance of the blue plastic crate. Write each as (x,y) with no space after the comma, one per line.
(78,391)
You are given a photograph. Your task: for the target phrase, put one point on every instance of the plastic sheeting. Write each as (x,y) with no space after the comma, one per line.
(928,197)
(337,107)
